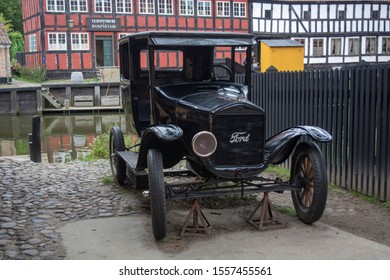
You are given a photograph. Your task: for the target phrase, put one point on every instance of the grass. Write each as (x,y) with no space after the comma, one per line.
(371,200)
(284,173)
(107,180)
(286,210)
(67,81)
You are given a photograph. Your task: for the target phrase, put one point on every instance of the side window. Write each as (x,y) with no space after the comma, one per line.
(124,63)
(163,60)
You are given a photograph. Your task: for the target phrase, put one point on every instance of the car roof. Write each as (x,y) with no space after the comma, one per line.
(182,38)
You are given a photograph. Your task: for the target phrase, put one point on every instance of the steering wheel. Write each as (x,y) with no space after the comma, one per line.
(213,76)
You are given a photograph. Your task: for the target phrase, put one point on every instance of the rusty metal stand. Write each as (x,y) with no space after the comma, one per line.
(197,216)
(269,218)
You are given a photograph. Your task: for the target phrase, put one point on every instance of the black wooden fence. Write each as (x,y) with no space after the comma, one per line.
(352,104)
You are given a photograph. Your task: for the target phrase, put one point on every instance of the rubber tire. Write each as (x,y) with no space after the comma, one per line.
(308,153)
(118,166)
(157,193)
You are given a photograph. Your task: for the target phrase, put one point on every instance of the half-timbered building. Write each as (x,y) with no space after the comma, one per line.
(82,35)
(334,32)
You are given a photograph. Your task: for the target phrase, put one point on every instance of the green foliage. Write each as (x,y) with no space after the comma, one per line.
(101,145)
(107,180)
(12,11)
(286,210)
(22,147)
(370,199)
(279,171)
(17,43)
(7,23)
(35,75)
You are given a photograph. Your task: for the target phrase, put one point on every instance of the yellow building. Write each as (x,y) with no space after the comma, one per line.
(284,55)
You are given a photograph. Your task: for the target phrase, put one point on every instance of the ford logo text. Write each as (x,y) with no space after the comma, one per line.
(238,137)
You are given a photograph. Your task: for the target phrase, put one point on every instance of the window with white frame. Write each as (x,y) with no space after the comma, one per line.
(78,5)
(124,6)
(318,47)
(239,9)
(32,43)
(301,41)
(57,41)
(370,45)
(335,46)
(204,8)
(103,6)
(146,6)
(353,46)
(386,45)
(186,7)
(165,7)
(55,5)
(80,41)
(223,9)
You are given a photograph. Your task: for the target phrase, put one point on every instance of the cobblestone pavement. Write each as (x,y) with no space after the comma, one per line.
(36,198)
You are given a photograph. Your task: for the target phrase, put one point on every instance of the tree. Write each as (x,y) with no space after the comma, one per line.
(17,43)
(12,11)
(7,23)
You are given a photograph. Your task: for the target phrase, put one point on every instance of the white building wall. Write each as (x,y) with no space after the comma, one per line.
(288,18)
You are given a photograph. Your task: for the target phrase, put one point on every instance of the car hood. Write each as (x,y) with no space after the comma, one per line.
(203,96)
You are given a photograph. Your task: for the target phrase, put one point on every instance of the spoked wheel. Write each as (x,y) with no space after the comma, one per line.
(118,166)
(309,172)
(157,193)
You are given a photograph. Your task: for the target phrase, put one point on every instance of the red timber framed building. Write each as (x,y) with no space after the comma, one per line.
(82,35)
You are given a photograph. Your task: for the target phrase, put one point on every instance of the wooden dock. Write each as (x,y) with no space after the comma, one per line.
(61,98)
(86,109)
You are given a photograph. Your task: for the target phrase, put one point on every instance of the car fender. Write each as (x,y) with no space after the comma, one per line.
(279,147)
(167,139)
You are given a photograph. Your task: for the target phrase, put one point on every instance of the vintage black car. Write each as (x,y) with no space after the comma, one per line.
(192,109)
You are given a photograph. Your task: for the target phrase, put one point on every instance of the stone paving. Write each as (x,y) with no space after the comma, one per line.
(36,198)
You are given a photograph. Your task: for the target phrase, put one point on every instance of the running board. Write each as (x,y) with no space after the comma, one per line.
(139,178)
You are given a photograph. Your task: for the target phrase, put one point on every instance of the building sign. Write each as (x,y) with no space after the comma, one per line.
(103,24)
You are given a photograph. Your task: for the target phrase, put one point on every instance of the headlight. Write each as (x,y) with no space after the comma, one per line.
(204,144)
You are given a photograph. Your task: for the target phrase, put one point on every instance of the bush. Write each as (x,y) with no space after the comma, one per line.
(36,74)
(17,43)
(101,146)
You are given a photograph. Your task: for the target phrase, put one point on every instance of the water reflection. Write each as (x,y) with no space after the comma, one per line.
(63,138)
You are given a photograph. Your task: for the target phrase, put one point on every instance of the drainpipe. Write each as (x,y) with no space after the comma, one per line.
(7,67)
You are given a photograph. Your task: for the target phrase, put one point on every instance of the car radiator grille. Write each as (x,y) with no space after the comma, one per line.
(240,139)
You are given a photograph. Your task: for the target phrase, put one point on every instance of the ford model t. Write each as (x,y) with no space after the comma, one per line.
(186,107)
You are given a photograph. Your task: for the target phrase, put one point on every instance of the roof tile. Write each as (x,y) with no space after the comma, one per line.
(4,39)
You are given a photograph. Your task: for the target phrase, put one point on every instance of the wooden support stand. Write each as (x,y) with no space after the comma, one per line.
(200,225)
(269,218)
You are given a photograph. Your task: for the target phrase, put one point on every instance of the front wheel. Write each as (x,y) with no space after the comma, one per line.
(157,193)
(118,166)
(308,172)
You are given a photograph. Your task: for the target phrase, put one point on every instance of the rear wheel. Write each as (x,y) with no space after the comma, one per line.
(309,173)
(118,166)
(157,193)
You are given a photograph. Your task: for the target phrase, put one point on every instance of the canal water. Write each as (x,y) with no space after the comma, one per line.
(63,138)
